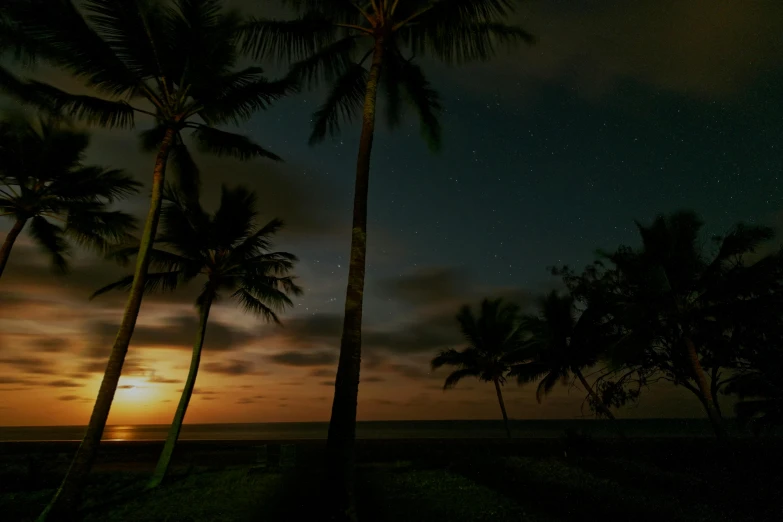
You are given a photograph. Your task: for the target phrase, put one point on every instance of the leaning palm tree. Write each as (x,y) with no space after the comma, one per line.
(560,345)
(173,62)
(495,338)
(230,251)
(358,47)
(44,183)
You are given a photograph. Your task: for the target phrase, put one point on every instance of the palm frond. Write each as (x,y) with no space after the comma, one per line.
(50,238)
(326,64)
(255,306)
(246,93)
(153,282)
(457,375)
(235,217)
(420,95)
(221,143)
(89,183)
(343,104)
(88,109)
(58,33)
(463,42)
(129,28)
(92,227)
(186,174)
(286,41)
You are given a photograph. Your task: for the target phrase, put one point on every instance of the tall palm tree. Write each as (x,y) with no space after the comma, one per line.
(44,183)
(175,60)
(494,340)
(359,47)
(230,251)
(560,345)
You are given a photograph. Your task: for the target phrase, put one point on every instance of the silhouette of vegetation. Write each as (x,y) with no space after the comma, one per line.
(683,314)
(356,49)
(44,184)
(231,251)
(494,339)
(560,344)
(175,59)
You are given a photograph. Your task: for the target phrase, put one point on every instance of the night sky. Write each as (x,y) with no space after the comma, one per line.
(622,110)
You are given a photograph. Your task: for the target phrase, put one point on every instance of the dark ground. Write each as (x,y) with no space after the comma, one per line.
(425,480)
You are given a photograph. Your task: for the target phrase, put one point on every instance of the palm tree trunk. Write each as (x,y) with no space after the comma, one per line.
(171,440)
(68,497)
(502,407)
(599,403)
(342,425)
(5,250)
(704,389)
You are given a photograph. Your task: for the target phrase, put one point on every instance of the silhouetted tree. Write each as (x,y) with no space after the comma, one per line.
(44,184)
(561,343)
(176,59)
(358,47)
(678,307)
(231,252)
(494,339)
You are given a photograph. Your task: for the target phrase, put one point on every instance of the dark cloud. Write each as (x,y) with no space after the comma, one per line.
(126,387)
(294,358)
(426,286)
(326,383)
(70,398)
(26,364)
(50,344)
(245,400)
(323,372)
(62,383)
(372,379)
(5,379)
(178,332)
(230,367)
(155,378)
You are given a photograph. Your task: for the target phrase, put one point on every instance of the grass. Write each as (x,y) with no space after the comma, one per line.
(486,483)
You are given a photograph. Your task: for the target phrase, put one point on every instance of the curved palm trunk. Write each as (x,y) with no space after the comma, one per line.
(68,497)
(342,425)
(704,389)
(599,403)
(10,239)
(171,440)
(502,407)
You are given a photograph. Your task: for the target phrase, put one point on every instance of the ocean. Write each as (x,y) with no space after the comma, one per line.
(457,429)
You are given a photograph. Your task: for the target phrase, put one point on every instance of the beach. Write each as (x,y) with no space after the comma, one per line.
(550,479)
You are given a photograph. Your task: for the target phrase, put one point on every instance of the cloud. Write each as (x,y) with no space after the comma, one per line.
(245,400)
(50,344)
(424,287)
(230,367)
(323,372)
(26,364)
(326,383)
(680,46)
(70,398)
(296,358)
(372,379)
(155,378)
(62,383)
(4,379)
(177,332)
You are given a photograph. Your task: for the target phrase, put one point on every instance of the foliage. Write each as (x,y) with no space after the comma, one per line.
(172,61)
(229,248)
(672,291)
(332,42)
(494,338)
(44,182)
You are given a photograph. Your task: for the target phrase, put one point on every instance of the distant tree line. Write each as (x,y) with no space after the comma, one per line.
(706,317)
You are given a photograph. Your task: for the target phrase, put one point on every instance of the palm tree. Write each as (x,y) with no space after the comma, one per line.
(359,47)
(561,345)
(175,60)
(44,183)
(231,252)
(494,339)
